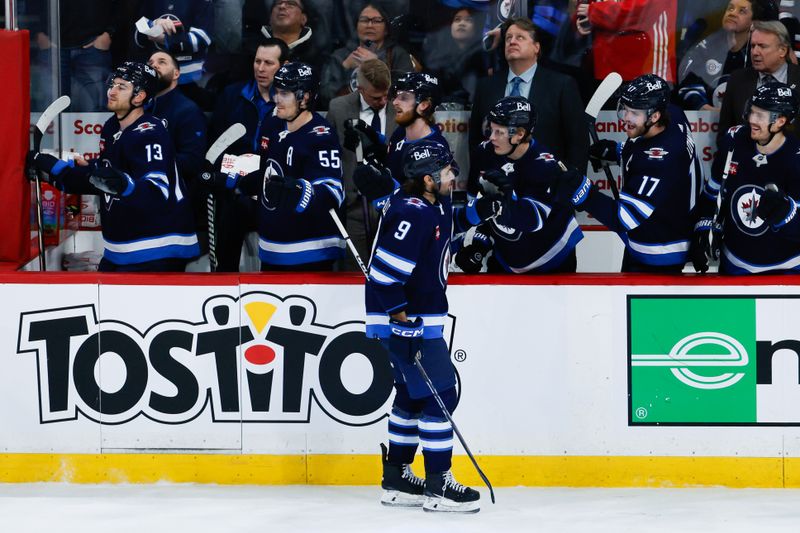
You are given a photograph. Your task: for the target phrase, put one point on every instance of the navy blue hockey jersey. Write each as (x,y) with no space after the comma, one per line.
(312,153)
(154,221)
(750,245)
(409,265)
(532,233)
(661,183)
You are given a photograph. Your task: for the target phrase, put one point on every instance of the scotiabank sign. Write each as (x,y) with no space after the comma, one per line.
(258,358)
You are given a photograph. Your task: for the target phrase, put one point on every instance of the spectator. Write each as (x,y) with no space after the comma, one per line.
(185,29)
(374,42)
(561,125)
(368,104)
(631,37)
(288,22)
(704,72)
(456,56)
(769,51)
(185,124)
(250,103)
(85,32)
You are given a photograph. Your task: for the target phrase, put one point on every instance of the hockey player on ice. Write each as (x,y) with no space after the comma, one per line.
(146,216)
(530,232)
(757,229)
(406,308)
(300,179)
(661,180)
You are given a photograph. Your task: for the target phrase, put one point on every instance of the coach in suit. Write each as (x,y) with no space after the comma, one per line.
(561,125)
(769,50)
(370,104)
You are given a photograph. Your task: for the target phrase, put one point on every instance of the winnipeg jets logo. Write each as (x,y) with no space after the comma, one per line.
(760,159)
(282,135)
(656,153)
(744,207)
(144,126)
(416,202)
(546,157)
(508,168)
(321,130)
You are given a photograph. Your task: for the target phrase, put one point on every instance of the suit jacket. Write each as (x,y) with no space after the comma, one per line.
(346,107)
(560,124)
(741,86)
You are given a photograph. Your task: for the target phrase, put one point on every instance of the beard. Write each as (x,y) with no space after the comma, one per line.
(405,119)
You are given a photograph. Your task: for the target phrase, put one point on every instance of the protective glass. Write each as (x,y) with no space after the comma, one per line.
(634,116)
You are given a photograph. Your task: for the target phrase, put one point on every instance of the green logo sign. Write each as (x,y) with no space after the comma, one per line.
(692,360)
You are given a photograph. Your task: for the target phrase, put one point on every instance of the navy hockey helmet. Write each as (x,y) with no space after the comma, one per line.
(513,112)
(141,76)
(423,86)
(426,158)
(298,78)
(648,93)
(777,98)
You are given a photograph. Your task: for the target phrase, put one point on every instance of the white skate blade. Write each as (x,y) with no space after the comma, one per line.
(395,498)
(445,505)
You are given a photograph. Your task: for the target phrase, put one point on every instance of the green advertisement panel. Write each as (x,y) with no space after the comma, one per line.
(692,360)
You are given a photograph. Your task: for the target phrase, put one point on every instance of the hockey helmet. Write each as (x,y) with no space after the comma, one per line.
(777,98)
(513,112)
(141,76)
(426,158)
(423,86)
(298,78)
(647,93)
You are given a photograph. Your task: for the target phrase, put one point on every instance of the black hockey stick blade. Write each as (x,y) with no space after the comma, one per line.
(424,374)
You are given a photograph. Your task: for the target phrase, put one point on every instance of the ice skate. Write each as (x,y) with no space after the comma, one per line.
(444,494)
(401,488)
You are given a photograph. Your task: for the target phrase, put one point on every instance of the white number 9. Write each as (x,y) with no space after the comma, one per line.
(402,230)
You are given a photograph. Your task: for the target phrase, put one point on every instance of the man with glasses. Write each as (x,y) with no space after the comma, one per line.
(146,217)
(754,181)
(288,21)
(654,213)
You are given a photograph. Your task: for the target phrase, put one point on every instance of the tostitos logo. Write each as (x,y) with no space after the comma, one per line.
(259,358)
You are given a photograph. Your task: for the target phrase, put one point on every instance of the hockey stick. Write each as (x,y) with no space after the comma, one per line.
(725,171)
(227,138)
(47,117)
(419,366)
(606,89)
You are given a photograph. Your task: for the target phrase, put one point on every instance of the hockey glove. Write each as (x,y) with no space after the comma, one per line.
(573,189)
(775,207)
(38,162)
(372,182)
(604,151)
(111,181)
(288,192)
(358,131)
(406,338)
(470,258)
(214,180)
(708,238)
(483,208)
(501,180)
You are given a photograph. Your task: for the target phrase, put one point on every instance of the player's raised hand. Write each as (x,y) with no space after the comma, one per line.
(373,182)
(499,179)
(603,151)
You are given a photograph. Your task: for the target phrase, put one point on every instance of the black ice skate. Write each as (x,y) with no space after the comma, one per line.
(401,488)
(444,494)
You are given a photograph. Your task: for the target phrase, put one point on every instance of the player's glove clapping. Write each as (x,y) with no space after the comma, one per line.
(573,188)
(603,151)
(499,179)
(359,132)
(775,207)
(373,182)
(111,181)
(295,194)
(470,258)
(406,338)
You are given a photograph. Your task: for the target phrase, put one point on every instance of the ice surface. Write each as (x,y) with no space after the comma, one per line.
(170,508)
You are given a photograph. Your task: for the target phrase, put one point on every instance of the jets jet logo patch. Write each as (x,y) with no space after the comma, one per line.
(321,130)
(144,126)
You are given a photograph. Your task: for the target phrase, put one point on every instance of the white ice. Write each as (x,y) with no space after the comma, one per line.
(189,508)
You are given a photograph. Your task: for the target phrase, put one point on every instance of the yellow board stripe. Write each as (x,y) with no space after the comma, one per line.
(503,471)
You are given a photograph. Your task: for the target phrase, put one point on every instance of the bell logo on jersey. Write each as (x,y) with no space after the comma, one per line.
(656,153)
(321,130)
(257,358)
(144,126)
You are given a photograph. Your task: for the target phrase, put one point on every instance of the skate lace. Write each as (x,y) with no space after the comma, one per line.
(450,482)
(409,475)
